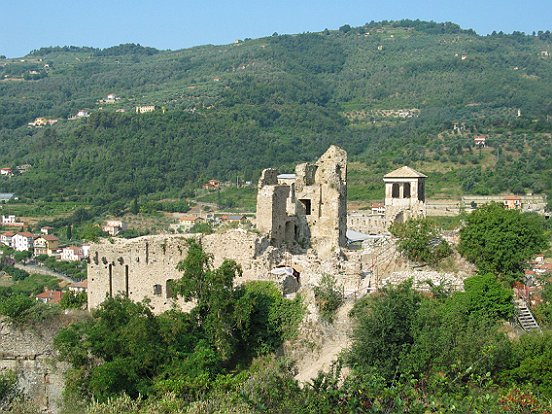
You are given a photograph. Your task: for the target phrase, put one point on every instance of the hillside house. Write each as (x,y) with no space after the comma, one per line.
(78,287)
(6,171)
(145,109)
(480,140)
(7,197)
(512,202)
(114,227)
(186,223)
(378,208)
(72,254)
(46,230)
(46,244)
(41,121)
(23,241)
(7,238)
(212,185)
(49,296)
(8,220)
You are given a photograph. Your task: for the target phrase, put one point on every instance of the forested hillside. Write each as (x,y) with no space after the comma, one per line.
(391,93)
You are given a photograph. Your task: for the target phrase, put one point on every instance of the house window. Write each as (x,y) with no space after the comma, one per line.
(157,290)
(307,204)
(395,191)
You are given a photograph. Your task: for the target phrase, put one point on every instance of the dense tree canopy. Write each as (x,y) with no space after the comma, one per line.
(500,241)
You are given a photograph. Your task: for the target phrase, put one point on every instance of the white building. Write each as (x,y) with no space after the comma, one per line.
(72,254)
(23,241)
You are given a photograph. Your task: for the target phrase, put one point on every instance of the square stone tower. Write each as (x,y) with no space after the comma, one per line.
(404,195)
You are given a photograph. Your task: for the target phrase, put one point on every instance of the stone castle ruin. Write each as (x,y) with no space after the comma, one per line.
(302,232)
(308,208)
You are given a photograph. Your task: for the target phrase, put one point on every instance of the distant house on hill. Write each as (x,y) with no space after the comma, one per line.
(78,287)
(49,296)
(186,223)
(6,197)
(23,241)
(512,202)
(145,109)
(212,185)
(480,140)
(114,227)
(72,254)
(46,244)
(6,238)
(6,171)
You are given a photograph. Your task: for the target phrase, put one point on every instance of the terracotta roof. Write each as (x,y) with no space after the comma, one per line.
(49,237)
(82,284)
(26,234)
(52,296)
(405,172)
(190,218)
(377,205)
(512,197)
(73,248)
(8,234)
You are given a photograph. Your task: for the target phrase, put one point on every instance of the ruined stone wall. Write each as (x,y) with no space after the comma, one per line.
(366,222)
(142,268)
(272,201)
(30,354)
(136,268)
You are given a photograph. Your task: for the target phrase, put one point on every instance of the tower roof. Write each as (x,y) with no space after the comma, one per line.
(405,172)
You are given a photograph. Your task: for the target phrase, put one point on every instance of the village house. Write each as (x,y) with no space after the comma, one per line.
(8,220)
(7,238)
(46,230)
(6,171)
(211,185)
(512,202)
(78,287)
(49,296)
(114,227)
(233,218)
(4,197)
(145,109)
(23,241)
(72,254)
(378,208)
(46,244)
(83,113)
(186,223)
(41,121)
(480,140)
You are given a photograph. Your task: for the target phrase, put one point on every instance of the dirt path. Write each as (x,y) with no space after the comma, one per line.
(40,270)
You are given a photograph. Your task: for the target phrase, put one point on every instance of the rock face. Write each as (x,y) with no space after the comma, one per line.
(29,353)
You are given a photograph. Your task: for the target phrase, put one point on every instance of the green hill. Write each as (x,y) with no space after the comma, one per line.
(391,93)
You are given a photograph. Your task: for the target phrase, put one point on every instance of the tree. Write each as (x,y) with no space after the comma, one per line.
(420,241)
(383,330)
(500,241)
(214,292)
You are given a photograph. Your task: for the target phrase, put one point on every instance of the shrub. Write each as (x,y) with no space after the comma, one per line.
(328,297)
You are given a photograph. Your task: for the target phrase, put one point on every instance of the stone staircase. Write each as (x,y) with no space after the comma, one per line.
(525,317)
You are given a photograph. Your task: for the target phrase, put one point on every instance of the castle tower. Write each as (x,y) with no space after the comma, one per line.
(404,195)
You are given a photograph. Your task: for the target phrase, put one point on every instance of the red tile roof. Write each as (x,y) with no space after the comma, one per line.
(51,296)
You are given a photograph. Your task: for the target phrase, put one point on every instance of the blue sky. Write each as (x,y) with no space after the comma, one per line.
(173,24)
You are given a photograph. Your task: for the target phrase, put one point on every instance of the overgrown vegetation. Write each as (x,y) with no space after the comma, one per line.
(187,354)
(328,297)
(501,241)
(420,241)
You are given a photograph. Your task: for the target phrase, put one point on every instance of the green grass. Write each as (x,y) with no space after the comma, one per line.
(232,199)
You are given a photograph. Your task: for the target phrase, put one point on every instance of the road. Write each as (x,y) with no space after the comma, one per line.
(34,270)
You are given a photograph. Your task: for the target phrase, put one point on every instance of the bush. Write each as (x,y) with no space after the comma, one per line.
(328,297)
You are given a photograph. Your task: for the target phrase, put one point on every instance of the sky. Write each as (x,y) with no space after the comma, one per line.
(176,24)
